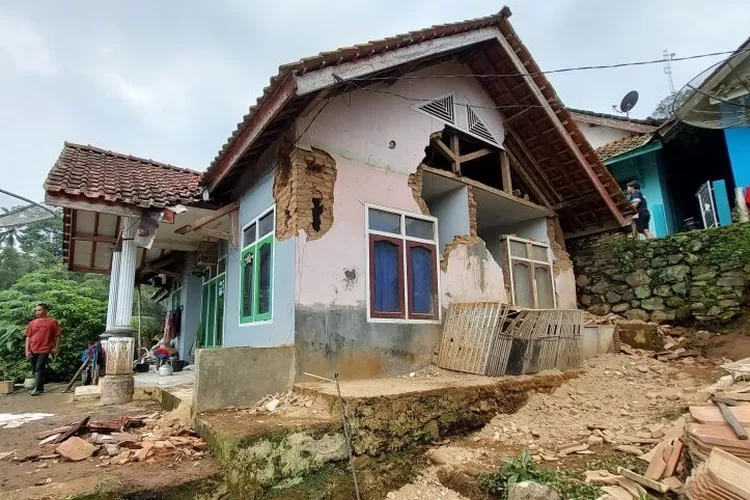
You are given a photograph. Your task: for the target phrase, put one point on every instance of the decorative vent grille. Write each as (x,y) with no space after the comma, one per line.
(441,108)
(477,127)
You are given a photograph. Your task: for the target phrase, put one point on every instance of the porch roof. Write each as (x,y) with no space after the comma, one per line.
(611,150)
(549,144)
(105,176)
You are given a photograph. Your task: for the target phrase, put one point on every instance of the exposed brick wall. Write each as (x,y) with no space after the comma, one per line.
(415,183)
(303,190)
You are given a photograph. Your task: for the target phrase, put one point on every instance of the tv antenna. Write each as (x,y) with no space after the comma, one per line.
(627,103)
(668,56)
(718,98)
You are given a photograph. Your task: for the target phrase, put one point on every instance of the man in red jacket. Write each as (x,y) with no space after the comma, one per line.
(42,340)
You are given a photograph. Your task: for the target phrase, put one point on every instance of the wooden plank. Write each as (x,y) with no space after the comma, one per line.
(213,233)
(712,414)
(674,458)
(95,238)
(456,150)
(475,155)
(505,172)
(207,219)
(657,464)
(518,168)
(566,137)
(80,203)
(642,480)
(75,429)
(234,224)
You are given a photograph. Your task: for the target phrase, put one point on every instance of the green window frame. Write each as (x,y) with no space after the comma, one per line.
(212,305)
(256,269)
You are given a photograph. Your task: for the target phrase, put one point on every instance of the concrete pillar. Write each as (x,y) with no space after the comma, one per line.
(114,279)
(118,384)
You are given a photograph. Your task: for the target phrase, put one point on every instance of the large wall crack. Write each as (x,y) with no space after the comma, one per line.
(303,189)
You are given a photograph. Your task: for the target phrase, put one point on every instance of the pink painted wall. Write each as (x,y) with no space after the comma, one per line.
(356,130)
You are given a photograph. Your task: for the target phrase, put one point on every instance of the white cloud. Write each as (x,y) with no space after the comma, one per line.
(25,47)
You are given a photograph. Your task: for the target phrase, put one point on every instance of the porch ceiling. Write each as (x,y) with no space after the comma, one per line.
(90,237)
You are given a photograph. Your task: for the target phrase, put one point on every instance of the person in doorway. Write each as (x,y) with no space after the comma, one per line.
(642,216)
(42,341)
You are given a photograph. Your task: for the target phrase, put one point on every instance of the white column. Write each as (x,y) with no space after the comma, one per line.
(118,384)
(114,279)
(126,281)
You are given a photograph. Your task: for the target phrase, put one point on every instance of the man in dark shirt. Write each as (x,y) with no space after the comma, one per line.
(642,216)
(42,339)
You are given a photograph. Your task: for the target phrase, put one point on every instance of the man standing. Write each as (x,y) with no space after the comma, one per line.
(642,216)
(42,340)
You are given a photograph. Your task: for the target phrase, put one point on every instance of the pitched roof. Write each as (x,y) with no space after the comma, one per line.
(549,137)
(621,146)
(98,174)
(626,119)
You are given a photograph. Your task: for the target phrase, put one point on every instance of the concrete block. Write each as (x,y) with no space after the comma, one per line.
(597,339)
(240,376)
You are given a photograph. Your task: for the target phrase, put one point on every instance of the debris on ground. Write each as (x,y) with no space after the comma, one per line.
(722,476)
(279,402)
(147,438)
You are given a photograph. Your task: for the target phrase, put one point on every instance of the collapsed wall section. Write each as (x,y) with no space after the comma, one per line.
(303,189)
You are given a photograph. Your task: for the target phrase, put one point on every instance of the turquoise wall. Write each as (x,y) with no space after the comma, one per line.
(738,147)
(647,170)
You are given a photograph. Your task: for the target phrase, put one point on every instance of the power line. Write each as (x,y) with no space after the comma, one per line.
(554,71)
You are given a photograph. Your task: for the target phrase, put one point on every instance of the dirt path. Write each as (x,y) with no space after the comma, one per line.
(58,479)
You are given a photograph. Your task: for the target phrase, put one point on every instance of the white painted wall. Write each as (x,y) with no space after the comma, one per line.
(598,135)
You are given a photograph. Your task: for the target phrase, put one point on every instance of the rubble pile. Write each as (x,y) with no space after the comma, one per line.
(281,402)
(146,439)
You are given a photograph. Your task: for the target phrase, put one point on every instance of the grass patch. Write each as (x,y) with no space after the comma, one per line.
(524,469)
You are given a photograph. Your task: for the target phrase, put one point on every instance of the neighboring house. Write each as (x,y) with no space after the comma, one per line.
(367,189)
(722,101)
(671,160)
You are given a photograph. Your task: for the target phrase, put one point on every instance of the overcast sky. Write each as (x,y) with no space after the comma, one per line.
(169,79)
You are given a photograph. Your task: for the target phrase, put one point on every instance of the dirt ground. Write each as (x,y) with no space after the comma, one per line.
(625,397)
(58,479)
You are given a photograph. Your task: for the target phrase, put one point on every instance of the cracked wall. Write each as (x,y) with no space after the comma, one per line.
(415,183)
(303,189)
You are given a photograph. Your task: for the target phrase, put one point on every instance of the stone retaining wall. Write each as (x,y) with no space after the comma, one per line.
(700,275)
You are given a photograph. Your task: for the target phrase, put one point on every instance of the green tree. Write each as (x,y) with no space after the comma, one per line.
(77,301)
(45,236)
(663,110)
(13,265)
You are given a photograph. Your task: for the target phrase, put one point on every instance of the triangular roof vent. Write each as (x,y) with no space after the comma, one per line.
(455,110)
(477,127)
(443,108)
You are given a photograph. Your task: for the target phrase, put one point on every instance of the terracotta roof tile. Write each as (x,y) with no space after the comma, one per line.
(654,122)
(622,146)
(98,174)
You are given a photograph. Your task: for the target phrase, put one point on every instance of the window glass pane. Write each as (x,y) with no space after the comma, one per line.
(265,224)
(248,235)
(522,284)
(544,291)
(247,283)
(384,221)
(421,268)
(518,249)
(385,281)
(539,253)
(264,286)
(212,272)
(419,228)
(222,266)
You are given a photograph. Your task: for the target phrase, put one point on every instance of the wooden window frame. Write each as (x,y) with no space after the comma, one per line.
(405,244)
(533,264)
(374,238)
(255,317)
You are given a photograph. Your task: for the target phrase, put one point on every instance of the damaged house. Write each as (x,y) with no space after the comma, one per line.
(368,189)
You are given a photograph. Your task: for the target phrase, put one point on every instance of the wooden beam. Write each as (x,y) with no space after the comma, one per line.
(253,128)
(207,219)
(576,201)
(322,78)
(456,150)
(476,154)
(444,150)
(79,203)
(84,269)
(561,129)
(234,224)
(181,246)
(505,172)
(94,238)
(518,168)
(93,245)
(213,233)
(543,211)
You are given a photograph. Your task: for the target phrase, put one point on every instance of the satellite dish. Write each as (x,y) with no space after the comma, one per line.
(629,101)
(719,97)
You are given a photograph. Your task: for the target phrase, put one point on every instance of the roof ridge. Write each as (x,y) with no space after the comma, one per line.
(643,121)
(124,156)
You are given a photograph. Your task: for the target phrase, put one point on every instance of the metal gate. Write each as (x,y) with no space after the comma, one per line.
(707,205)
